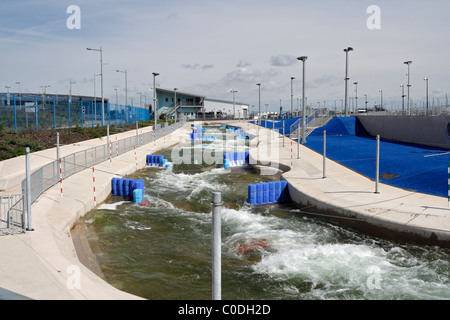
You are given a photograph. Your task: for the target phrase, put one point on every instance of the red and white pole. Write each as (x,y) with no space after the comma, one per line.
(135,157)
(93,181)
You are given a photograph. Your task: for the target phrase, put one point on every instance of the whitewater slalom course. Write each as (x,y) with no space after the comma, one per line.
(50,262)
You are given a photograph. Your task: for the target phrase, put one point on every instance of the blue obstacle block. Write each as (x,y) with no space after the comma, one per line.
(114,186)
(272,192)
(267,192)
(137,196)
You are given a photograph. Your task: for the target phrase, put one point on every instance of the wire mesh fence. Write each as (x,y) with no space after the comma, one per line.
(12,214)
(30,112)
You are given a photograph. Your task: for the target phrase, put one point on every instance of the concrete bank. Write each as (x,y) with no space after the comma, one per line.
(43,264)
(349,197)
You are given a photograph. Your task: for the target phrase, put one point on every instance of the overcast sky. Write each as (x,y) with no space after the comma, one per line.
(211,47)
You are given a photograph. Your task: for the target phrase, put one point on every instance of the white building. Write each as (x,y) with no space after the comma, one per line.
(226,108)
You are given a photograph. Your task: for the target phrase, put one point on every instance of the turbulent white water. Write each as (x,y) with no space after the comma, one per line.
(291,255)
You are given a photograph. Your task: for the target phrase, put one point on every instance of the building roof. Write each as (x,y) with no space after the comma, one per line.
(226,101)
(180,92)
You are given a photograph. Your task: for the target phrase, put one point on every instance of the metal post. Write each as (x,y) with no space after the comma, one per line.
(324,154)
(298,141)
(377,170)
(36,113)
(57,151)
(28,188)
(303,59)
(108,143)
(283,132)
(15,115)
(216,243)
(137,134)
(448,182)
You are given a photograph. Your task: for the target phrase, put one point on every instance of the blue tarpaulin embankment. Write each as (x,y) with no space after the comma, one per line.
(404,165)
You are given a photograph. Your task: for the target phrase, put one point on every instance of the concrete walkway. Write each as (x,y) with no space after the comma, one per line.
(43,264)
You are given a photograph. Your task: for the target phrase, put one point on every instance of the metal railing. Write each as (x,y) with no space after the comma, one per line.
(12,214)
(13,210)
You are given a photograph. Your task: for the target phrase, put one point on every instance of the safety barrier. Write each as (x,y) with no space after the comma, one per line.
(129,188)
(236,159)
(267,192)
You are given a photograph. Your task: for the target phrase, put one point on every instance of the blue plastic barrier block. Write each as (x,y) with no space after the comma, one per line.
(259,194)
(114,186)
(266,193)
(272,192)
(137,196)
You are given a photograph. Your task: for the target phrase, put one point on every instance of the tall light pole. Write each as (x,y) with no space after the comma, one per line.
(426,80)
(101,73)
(403,99)
(381,91)
(366,101)
(303,59)
(126,85)
(259,105)
(117,98)
(347,50)
(154,99)
(408,63)
(356,98)
(175,99)
(292,96)
(234,108)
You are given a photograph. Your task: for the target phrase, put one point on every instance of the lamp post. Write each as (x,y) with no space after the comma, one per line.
(126,85)
(154,99)
(117,97)
(356,97)
(292,96)
(303,59)
(426,80)
(366,101)
(381,91)
(234,108)
(259,105)
(347,50)
(403,99)
(101,73)
(175,99)
(408,63)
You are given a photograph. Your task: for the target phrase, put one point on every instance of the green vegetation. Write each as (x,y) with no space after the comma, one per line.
(13,144)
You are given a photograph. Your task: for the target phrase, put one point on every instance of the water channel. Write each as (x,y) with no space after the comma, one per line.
(163,250)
